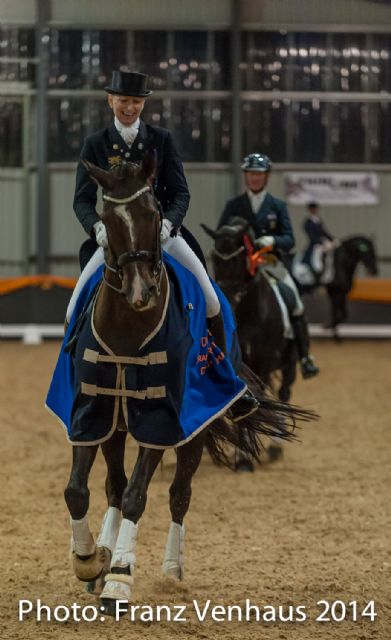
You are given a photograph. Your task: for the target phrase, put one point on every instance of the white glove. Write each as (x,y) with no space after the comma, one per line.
(264,241)
(101,234)
(165,231)
(327,245)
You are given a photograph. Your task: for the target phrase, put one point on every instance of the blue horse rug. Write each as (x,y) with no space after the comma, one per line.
(174,386)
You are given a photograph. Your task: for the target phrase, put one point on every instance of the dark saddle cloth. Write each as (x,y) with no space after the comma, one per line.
(172,387)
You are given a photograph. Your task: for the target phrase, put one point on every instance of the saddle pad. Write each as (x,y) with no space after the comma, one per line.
(273,282)
(302,272)
(173,387)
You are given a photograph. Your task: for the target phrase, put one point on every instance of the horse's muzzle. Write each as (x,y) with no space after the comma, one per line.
(144,301)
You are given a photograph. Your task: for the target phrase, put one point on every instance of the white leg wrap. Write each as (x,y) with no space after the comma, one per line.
(109,530)
(124,554)
(173,564)
(82,540)
(118,586)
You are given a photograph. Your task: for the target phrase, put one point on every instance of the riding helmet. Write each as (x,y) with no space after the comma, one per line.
(256,162)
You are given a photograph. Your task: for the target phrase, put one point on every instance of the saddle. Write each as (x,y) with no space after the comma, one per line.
(306,277)
(285,298)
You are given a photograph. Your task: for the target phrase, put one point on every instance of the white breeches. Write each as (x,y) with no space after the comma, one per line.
(95,261)
(178,248)
(317,258)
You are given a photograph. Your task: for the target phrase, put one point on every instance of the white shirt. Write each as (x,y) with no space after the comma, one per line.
(128,134)
(256,199)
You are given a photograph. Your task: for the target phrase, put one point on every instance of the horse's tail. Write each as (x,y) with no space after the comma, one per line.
(273,418)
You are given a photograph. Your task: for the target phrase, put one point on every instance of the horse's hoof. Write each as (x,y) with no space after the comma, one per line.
(117,589)
(95,587)
(275,452)
(92,587)
(244,465)
(89,568)
(109,607)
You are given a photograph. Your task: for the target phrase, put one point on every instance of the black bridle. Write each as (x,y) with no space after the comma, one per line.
(154,257)
(236,290)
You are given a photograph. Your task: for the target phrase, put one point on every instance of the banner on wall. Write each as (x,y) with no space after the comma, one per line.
(333,187)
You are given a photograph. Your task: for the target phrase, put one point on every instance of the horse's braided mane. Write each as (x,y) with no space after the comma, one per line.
(358,238)
(237,221)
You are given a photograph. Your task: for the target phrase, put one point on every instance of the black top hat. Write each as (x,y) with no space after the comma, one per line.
(129,83)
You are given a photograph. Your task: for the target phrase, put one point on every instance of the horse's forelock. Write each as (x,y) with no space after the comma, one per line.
(228,239)
(230,231)
(124,171)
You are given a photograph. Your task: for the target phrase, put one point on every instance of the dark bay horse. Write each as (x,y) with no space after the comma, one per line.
(258,314)
(128,306)
(352,251)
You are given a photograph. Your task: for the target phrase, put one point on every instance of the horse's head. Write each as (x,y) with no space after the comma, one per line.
(131,216)
(230,254)
(363,250)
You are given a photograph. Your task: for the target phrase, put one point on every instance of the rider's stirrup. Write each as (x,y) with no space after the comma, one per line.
(308,367)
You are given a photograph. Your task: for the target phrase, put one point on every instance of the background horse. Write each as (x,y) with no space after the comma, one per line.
(128,306)
(258,313)
(346,258)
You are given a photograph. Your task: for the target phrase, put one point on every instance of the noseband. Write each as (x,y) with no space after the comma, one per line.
(137,256)
(239,289)
(228,256)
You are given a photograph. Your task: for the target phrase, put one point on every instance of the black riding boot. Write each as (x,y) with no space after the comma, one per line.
(300,330)
(247,403)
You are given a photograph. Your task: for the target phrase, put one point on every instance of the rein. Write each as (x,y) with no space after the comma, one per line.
(254,258)
(238,290)
(228,256)
(136,256)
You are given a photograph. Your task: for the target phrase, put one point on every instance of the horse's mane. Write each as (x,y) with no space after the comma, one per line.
(359,238)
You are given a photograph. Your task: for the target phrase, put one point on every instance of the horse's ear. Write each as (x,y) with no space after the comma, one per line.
(213,234)
(104,179)
(148,166)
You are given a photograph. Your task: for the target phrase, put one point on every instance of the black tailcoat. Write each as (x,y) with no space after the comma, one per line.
(272,219)
(106,148)
(317,234)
